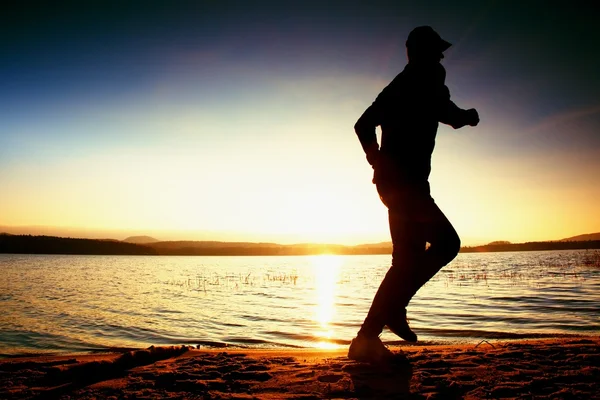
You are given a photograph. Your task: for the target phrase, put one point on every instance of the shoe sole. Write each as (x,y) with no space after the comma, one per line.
(411,339)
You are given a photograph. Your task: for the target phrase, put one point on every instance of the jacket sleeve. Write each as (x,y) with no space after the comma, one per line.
(366,125)
(450,113)
(365,128)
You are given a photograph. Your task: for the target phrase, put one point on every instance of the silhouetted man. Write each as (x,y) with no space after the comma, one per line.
(408,111)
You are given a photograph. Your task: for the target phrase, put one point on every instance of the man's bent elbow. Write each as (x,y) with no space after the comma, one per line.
(360,127)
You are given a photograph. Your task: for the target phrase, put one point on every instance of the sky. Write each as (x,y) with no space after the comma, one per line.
(233,120)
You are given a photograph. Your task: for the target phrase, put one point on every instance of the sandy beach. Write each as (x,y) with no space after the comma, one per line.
(536,369)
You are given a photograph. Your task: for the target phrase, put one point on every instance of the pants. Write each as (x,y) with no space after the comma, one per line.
(415,220)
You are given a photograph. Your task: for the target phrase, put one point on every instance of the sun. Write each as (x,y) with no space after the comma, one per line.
(324,217)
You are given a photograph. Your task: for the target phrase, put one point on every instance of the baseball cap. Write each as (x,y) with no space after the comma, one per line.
(424,37)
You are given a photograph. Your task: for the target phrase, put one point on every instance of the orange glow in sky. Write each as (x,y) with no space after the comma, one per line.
(210,125)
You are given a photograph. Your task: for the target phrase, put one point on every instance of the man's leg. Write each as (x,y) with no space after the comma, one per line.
(367,346)
(444,245)
(408,248)
(420,221)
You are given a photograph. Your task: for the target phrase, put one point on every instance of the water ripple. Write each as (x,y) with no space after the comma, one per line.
(83,303)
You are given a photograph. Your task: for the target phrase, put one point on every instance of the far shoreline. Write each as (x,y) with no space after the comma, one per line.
(52,245)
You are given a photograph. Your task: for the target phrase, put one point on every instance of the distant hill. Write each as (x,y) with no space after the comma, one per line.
(140,239)
(215,248)
(580,238)
(27,244)
(532,246)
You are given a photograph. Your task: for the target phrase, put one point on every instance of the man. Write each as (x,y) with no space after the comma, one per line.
(408,111)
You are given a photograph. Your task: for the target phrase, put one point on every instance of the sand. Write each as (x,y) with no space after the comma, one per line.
(540,369)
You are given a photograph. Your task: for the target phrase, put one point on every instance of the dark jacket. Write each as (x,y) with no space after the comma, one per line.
(408,111)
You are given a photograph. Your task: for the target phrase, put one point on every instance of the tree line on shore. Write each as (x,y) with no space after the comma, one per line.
(28,244)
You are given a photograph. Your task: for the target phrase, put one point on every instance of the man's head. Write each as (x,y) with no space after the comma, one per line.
(425,45)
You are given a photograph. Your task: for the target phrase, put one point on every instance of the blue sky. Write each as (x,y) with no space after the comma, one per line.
(233,120)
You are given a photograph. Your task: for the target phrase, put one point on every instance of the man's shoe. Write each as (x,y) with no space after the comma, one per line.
(400,327)
(369,350)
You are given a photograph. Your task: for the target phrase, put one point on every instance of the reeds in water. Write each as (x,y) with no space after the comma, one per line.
(234,281)
(592,259)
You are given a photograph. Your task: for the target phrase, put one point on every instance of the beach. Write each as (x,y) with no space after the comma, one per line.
(559,368)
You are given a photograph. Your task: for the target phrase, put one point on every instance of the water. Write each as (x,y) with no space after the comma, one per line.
(55,303)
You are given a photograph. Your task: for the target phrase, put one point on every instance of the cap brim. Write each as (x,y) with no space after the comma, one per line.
(444,45)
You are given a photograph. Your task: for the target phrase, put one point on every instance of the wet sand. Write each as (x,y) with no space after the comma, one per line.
(536,369)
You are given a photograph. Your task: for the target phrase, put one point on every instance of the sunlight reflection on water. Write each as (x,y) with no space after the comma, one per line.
(326,270)
(95,302)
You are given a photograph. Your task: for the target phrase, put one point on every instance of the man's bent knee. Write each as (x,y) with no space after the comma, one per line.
(452,248)
(447,250)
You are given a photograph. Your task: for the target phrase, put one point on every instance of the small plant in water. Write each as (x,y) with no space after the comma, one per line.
(592,259)
(271,276)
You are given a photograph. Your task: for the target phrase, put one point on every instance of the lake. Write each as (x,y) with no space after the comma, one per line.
(53,303)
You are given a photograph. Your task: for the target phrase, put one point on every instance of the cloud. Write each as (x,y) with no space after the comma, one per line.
(563,118)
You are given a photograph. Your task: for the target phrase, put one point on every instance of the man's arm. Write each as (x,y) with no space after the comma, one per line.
(365,130)
(367,124)
(454,116)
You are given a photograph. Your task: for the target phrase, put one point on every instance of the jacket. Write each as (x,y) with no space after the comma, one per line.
(408,111)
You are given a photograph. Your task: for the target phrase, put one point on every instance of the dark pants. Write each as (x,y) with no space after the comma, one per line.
(415,220)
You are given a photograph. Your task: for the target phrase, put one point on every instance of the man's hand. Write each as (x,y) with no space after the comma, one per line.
(472,117)
(463,118)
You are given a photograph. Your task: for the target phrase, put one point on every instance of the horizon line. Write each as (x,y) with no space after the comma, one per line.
(381,243)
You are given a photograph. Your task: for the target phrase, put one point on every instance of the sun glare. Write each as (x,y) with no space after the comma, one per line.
(327,269)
